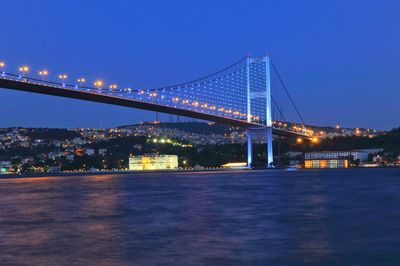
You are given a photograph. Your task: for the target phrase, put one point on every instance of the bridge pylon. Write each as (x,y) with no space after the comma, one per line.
(255,92)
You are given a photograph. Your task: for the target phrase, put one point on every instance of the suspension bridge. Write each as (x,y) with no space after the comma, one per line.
(238,95)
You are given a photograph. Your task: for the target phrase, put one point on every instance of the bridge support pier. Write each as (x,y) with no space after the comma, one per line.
(260,132)
(270,155)
(249,149)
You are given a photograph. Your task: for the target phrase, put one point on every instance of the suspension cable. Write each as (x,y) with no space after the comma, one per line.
(197,80)
(288,94)
(277,107)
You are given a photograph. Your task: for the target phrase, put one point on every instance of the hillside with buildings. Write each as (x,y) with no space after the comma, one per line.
(195,143)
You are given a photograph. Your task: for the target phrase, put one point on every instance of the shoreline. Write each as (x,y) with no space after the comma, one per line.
(61,174)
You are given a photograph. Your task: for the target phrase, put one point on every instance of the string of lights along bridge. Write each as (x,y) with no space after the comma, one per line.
(239,93)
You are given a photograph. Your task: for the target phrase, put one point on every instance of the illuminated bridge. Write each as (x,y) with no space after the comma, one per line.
(238,95)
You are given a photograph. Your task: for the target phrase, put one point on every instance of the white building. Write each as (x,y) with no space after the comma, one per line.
(153,162)
(357,155)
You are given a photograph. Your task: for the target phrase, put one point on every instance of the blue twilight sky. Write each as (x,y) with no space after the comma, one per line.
(340,59)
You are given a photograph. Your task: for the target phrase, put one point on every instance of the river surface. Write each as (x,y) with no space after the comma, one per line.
(277,217)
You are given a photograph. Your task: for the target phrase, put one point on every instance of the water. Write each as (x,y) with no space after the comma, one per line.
(330,217)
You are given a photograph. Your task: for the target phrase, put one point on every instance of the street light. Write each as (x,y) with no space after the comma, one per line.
(43,73)
(23,70)
(113,86)
(81,81)
(2,65)
(98,84)
(63,77)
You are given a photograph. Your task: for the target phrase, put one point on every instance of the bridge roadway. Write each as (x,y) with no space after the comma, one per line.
(67,92)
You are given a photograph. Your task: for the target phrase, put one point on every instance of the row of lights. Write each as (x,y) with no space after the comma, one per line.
(213,107)
(63,77)
(314,140)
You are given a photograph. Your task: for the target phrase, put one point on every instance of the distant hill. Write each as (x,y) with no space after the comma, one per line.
(390,142)
(191,127)
(44,133)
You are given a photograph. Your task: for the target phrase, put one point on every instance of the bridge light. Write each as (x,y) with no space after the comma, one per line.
(2,65)
(43,73)
(141,92)
(299,140)
(113,86)
(24,69)
(314,140)
(80,81)
(98,84)
(63,77)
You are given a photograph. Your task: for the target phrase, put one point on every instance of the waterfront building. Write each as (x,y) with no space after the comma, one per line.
(153,162)
(326,163)
(328,155)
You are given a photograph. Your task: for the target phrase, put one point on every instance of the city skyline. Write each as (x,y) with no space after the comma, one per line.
(122,47)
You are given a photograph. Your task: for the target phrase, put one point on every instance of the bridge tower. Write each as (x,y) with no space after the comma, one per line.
(265,95)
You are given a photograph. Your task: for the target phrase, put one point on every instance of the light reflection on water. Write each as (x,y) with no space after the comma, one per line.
(237,218)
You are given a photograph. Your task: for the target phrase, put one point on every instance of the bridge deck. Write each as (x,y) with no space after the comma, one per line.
(35,87)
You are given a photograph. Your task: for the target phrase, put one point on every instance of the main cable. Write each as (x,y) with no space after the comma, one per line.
(288,94)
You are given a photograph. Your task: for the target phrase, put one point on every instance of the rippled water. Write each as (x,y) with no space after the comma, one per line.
(331,217)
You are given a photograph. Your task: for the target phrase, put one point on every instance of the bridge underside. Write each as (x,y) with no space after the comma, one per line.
(126,102)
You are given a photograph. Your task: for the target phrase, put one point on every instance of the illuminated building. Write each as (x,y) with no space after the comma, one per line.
(153,162)
(326,163)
